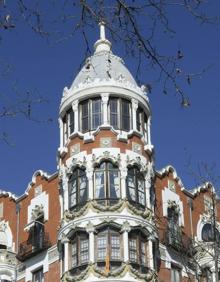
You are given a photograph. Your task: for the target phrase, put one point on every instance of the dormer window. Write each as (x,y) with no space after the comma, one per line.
(107,183)
(77,188)
(120,113)
(136,186)
(90,114)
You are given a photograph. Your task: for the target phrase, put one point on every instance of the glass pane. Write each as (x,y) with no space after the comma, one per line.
(83,188)
(96,113)
(141,198)
(84,250)
(115,246)
(133,250)
(114,112)
(101,246)
(71,119)
(131,187)
(74,255)
(85,116)
(99,185)
(143,253)
(125,115)
(114,184)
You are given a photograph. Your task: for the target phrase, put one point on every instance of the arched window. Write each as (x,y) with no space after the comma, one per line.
(107,183)
(138,250)
(208,233)
(120,113)
(136,186)
(78,188)
(79,249)
(108,247)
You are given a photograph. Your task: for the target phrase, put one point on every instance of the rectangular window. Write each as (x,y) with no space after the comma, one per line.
(96,113)
(38,276)
(102,246)
(71,121)
(84,251)
(74,254)
(115,247)
(125,115)
(175,274)
(85,116)
(113,104)
(133,250)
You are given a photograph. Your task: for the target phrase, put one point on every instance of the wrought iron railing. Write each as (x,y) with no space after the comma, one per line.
(28,248)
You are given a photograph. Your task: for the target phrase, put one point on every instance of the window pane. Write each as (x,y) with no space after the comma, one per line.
(131,187)
(85,116)
(83,189)
(72,192)
(84,251)
(115,247)
(99,185)
(38,276)
(101,246)
(143,253)
(71,120)
(133,249)
(125,115)
(113,112)
(114,184)
(74,255)
(96,113)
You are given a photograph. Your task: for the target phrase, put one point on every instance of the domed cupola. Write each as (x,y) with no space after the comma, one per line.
(104,94)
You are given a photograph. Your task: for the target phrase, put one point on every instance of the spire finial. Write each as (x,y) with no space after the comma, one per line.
(102,44)
(102,30)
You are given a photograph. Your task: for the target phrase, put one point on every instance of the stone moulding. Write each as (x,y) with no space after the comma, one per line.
(94,206)
(151,276)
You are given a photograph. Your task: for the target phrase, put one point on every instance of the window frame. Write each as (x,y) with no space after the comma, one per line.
(68,121)
(108,232)
(37,272)
(107,182)
(77,239)
(174,270)
(77,175)
(141,121)
(140,239)
(136,174)
(89,116)
(119,113)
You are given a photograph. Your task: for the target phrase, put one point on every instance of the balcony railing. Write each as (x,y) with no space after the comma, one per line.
(177,240)
(28,249)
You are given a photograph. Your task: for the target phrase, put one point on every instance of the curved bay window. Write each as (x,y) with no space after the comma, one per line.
(79,245)
(138,250)
(90,114)
(108,248)
(136,186)
(78,188)
(120,113)
(107,183)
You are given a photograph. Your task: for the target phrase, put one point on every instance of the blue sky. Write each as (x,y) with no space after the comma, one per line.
(46,68)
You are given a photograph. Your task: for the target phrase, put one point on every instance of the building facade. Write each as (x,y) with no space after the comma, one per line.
(106,214)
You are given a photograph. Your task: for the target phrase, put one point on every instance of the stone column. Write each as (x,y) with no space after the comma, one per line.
(134,103)
(61,132)
(76,115)
(89,174)
(126,228)
(148,130)
(90,230)
(65,241)
(105,98)
(150,254)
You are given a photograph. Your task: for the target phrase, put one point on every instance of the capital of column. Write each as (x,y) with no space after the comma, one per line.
(126,227)
(90,227)
(105,97)
(134,103)
(75,105)
(89,174)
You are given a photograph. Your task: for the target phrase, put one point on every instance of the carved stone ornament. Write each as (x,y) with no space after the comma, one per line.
(3,226)
(37,211)
(106,156)
(173,204)
(120,272)
(118,207)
